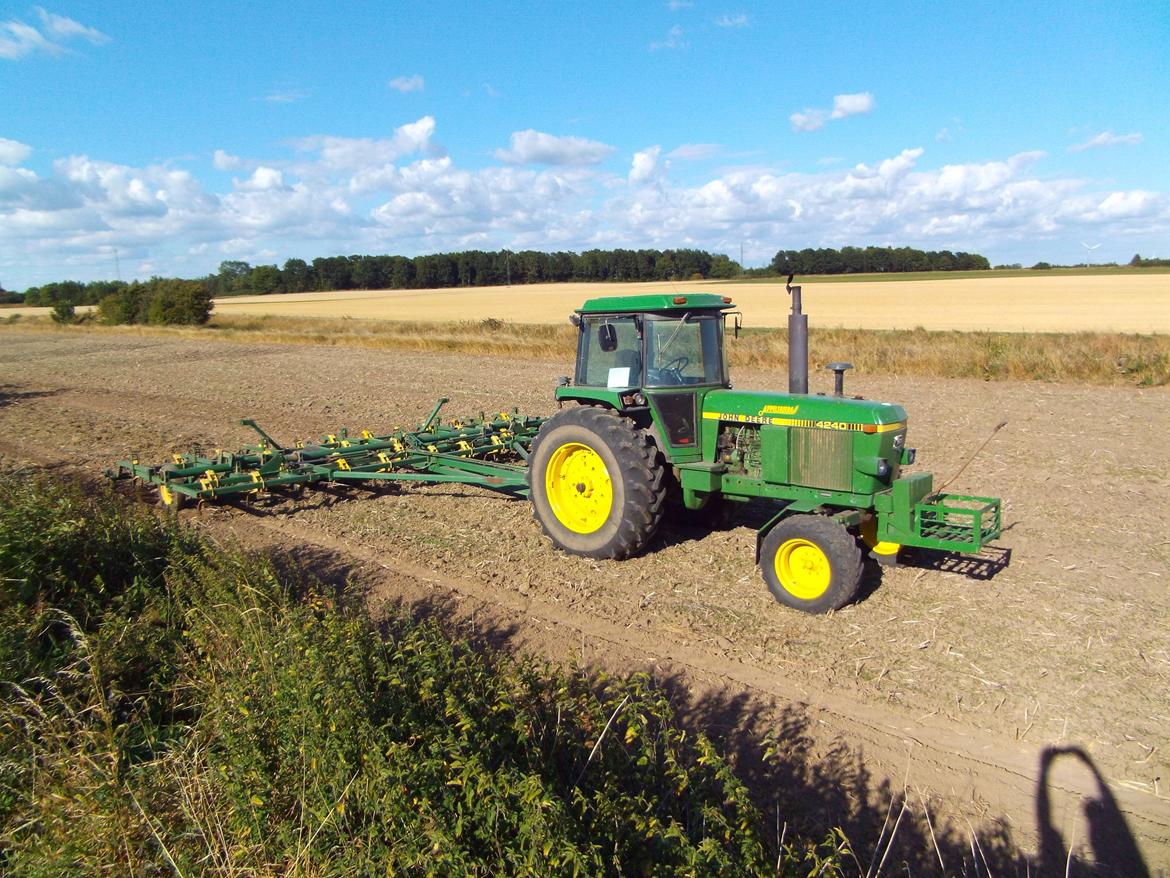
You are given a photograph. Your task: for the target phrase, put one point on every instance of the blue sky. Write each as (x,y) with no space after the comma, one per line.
(180,135)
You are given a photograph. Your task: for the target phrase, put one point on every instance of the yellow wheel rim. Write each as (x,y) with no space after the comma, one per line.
(881,547)
(168,497)
(578,487)
(803,569)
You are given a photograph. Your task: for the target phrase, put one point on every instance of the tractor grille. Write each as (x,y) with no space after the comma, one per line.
(820,458)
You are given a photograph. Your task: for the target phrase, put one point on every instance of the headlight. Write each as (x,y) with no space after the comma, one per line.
(899,441)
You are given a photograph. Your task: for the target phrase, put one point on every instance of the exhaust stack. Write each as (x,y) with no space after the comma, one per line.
(797,343)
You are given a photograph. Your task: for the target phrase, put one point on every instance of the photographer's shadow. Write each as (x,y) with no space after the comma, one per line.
(1115,851)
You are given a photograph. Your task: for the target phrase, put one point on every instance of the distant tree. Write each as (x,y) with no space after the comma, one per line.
(370,273)
(722,268)
(296,276)
(175,301)
(263,279)
(159,301)
(7,297)
(64,312)
(123,305)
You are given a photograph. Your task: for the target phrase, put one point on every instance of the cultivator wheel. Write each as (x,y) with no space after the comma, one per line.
(596,483)
(811,563)
(170,500)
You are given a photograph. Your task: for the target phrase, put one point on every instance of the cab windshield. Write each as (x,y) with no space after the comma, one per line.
(687,350)
(626,351)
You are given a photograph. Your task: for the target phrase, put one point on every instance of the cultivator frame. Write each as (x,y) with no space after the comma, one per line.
(484,451)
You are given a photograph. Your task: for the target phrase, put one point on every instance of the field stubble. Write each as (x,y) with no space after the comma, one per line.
(1092,358)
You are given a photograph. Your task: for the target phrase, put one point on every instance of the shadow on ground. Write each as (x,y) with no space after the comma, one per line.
(9,394)
(800,786)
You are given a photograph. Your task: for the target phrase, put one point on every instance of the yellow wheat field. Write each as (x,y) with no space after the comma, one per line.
(1088,303)
(1123,303)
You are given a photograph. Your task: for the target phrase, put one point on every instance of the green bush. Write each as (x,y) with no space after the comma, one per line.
(158,301)
(64,313)
(123,305)
(172,708)
(174,301)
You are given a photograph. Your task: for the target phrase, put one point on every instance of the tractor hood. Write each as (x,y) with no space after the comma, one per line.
(799,410)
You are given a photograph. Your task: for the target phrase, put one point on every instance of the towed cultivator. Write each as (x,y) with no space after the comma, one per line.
(478,451)
(654,424)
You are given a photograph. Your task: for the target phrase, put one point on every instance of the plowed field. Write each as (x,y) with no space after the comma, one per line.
(949,678)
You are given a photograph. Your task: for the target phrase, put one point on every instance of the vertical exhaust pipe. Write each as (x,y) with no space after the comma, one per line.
(797,343)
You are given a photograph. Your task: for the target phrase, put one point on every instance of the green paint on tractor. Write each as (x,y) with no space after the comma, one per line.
(654,427)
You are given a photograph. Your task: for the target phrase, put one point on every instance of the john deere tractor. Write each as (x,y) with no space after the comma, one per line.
(657,422)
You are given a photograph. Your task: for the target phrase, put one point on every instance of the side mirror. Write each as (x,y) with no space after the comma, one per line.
(607,337)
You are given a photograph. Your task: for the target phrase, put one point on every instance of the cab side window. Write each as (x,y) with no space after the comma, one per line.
(611,357)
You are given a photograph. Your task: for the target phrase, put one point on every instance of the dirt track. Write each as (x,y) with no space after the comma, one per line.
(955,680)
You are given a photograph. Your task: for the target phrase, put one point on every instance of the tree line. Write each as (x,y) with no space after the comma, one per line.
(160,300)
(469,268)
(1138,262)
(866,260)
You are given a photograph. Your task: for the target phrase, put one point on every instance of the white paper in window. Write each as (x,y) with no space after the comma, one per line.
(619,376)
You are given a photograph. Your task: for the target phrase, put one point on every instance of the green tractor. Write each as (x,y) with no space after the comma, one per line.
(658,424)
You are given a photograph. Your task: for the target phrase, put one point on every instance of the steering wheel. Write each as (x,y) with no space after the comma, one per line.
(676,365)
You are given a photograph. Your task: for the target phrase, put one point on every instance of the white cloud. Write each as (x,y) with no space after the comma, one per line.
(406,84)
(812,119)
(288,96)
(223,161)
(353,153)
(263,178)
(694,152)
(851,105)
(646,166)
(13,152)
(536,147)
(394,195)
(809,120)
(18,39)
(739,20)
(67,28)
(1107,138)
(674,40)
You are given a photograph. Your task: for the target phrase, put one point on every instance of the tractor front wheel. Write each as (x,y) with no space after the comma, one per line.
(811,563)
(596,484)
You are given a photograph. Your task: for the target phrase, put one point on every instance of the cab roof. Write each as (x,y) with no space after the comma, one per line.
(655,302)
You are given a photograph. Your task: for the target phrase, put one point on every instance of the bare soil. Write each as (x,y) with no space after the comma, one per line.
(949,677)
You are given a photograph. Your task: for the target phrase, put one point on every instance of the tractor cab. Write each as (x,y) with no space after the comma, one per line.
(653,358)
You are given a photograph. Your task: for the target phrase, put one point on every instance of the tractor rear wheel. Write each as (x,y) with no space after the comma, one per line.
(811,563)
(596,484)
